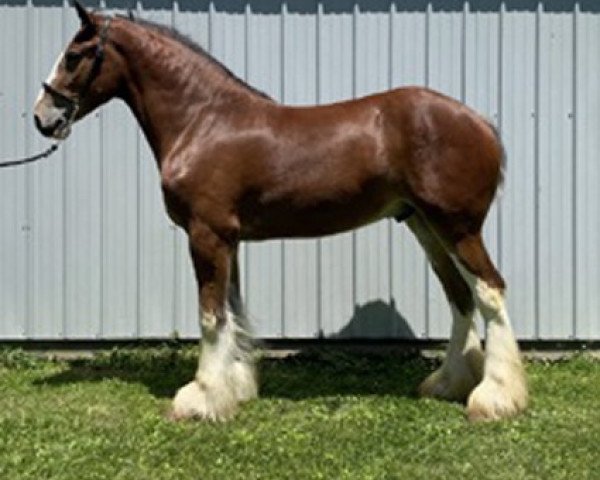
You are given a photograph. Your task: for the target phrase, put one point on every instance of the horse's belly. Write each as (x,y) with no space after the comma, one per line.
(283,220)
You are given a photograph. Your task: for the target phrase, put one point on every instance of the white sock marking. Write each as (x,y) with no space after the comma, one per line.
(503,391)
(225,373)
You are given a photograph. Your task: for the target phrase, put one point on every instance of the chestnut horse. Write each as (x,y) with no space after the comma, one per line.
(235,165)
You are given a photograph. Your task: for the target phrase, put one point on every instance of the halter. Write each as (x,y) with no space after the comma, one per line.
(72,104)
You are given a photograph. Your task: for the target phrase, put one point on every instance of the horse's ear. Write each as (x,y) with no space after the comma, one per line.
(84,16)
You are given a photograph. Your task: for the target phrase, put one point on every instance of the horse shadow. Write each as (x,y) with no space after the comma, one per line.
(329,369)
(311,373)
(373,363)
(376,320)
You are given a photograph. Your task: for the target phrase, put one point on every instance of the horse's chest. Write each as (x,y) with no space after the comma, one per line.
(177,209)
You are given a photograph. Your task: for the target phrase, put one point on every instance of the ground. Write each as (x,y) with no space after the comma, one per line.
(321,414)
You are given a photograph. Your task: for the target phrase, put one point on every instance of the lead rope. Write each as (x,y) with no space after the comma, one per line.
(99,57)
(23,161)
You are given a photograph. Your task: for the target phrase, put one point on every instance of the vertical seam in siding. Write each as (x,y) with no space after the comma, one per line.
(243,279)
(319,15)
(176,307)
(282,97)
(427,72)
(463,53)
(138,233)
(319,242)
(100,317)
(354,93)
(536,179)
(28,181)
(65,221)
(100,325)
(390,232)
(138,236)
(574,332)
(500,127)
(211,8)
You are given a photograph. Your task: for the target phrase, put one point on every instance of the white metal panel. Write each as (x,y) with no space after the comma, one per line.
(228,34)
(518,126)
(87,251)
(120,171)
(14,119)
(587,171)
(555,172)
(46,189)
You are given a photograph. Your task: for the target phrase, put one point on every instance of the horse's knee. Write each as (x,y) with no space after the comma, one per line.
(490,299)
(209,321)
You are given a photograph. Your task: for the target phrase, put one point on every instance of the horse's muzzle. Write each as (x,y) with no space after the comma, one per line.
(47,130)
(58,129)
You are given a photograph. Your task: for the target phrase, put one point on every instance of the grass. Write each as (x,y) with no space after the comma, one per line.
(320,415)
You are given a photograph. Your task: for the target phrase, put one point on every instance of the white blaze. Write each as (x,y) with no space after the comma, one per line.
(51,76)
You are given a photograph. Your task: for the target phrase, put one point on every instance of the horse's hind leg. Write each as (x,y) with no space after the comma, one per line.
(503,390)
(225,375)
(462,367)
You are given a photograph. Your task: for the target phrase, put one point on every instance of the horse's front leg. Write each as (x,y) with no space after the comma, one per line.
(226,374)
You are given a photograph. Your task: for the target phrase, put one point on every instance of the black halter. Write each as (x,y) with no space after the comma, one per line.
(70,104)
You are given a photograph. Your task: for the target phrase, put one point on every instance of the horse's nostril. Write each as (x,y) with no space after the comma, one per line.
(44,130)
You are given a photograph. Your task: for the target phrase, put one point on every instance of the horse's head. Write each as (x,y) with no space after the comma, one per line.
(84,76)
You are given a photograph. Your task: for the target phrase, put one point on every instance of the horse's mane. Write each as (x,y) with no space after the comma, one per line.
(193,46)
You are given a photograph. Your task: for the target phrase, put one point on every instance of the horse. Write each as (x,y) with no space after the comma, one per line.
(235,166)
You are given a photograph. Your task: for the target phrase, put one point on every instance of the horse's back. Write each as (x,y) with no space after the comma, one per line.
(420,139)
(439,154)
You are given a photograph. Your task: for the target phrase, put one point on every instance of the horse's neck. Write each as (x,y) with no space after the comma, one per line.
(169,88)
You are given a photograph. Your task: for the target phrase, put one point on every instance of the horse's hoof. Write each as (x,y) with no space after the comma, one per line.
(443,385)
(199,401)
(456,378)
(493,400)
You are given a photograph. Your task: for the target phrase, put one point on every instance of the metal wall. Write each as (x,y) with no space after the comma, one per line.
(86,250)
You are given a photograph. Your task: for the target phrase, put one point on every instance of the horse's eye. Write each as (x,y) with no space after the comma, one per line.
(72,59)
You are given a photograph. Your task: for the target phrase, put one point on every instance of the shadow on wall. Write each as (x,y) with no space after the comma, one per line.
(376,319)
(335,6)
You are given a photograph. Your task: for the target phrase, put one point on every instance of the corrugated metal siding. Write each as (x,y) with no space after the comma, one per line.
(87,251)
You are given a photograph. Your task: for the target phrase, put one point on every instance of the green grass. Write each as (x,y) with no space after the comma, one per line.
(320,415)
